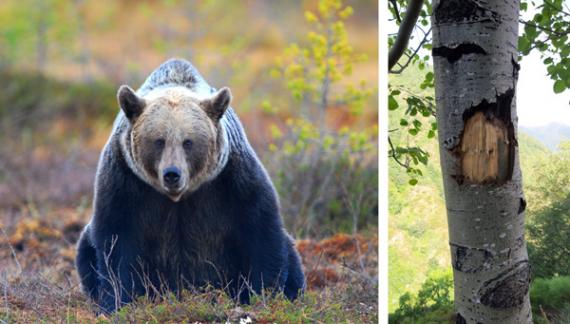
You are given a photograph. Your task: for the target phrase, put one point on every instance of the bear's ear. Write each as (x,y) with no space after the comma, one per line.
(216,105)
(131,104)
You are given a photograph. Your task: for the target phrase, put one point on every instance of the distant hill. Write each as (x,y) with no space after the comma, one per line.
(550,135)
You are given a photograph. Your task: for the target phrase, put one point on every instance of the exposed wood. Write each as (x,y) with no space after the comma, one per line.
(485,150)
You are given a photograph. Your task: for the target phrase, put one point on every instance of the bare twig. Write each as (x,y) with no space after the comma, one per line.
(394,156)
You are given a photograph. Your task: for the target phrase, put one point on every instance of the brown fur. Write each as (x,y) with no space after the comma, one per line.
(176,117)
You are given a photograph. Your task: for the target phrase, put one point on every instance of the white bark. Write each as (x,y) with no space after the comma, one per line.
(475,54)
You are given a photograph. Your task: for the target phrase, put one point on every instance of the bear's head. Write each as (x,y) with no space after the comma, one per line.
(175,136)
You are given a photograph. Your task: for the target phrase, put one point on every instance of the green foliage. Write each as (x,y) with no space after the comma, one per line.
(548,195)
(547,31)
(413,107)
(413,102)
(432,304)
(24,25)
(549,242)
(550,295)
(28,99)
(417,228)
(310,70)
(554,174)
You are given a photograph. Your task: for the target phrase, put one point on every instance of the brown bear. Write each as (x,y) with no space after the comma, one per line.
(182,201)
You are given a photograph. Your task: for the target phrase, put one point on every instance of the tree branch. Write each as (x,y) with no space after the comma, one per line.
(393,155)
(410,57)
(397,13)
(559,34)
(404,33)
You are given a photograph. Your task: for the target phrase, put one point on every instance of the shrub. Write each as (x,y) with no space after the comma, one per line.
(549,242)
(327,182)
(33,100)
(550,295)
(432,304)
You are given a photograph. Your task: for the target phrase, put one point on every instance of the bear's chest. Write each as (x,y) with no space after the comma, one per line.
(190,241)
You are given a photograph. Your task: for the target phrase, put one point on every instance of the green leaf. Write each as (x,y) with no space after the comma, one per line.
(392,103)
(559,86)
(530,32)
(548,60)
(524,44)
(413,182)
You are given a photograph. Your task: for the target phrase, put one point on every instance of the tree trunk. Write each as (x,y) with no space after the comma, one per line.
(475,63)
(41,36)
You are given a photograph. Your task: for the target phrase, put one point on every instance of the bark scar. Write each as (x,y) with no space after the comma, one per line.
(522,205)
(487,146)
(508,289)
(453,54)
(470,260)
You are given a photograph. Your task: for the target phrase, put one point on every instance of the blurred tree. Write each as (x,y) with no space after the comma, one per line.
(84,56)
(33,30)
(327,179)
(311,70)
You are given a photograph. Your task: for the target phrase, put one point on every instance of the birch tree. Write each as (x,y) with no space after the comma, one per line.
(475,66)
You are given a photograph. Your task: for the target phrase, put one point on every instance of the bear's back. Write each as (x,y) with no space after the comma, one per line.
(175,72)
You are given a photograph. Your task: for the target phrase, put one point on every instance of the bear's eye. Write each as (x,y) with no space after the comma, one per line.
(159,143)
(187,144)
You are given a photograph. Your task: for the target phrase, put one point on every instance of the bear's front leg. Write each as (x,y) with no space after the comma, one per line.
(120,273)
(267,253)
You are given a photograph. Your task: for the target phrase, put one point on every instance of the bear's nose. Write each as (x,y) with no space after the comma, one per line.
(171,175)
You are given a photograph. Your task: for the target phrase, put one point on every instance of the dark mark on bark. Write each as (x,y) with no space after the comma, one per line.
(519,243)
(451,142)
(450,11)
(459,178)
(469,260)
(522,205)
(509,289)
(460,319)
(516,68)
(453,54)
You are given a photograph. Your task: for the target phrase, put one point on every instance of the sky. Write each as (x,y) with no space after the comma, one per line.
(537,104)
